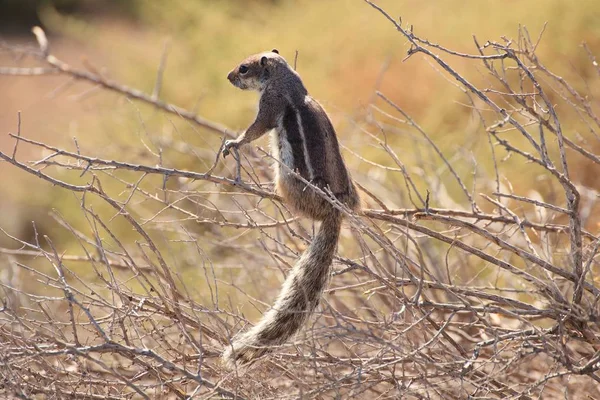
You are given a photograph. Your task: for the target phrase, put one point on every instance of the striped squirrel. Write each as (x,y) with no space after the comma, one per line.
(304,143)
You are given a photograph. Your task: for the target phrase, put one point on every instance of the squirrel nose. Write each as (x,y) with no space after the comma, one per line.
(230,76)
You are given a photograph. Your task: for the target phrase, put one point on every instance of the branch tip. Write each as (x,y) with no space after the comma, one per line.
(42,40)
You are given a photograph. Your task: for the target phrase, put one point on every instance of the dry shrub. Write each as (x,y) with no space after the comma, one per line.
(490,296)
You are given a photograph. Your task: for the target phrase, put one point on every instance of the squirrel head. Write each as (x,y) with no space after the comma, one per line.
(254,72)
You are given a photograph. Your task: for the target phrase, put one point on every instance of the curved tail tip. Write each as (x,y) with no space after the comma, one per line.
(238,355)
(235,356)
(228,358)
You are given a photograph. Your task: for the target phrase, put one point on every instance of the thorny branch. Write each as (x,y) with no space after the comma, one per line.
(490,296)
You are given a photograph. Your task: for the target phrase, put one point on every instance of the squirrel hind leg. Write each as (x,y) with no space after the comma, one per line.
(303,199)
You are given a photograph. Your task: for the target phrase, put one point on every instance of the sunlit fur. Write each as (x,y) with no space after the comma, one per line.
(304,144)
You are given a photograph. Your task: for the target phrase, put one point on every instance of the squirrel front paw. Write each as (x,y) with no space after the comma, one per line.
(229,144)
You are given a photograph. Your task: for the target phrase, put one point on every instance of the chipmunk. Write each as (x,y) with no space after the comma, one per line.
(304,143)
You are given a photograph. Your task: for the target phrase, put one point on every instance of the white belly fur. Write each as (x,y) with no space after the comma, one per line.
(284,156)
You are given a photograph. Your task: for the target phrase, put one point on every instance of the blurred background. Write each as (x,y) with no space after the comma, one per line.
(346,50)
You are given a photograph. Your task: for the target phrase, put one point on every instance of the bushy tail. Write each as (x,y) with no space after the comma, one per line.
(297,300)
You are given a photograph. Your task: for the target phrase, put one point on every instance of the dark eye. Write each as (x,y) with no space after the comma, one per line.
(243,69)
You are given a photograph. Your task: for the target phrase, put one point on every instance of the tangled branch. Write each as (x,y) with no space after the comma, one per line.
(491,293)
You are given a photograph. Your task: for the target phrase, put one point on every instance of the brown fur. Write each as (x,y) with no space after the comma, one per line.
(304,143)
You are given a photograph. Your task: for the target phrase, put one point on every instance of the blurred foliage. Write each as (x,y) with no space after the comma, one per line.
(17,16)
(342,45)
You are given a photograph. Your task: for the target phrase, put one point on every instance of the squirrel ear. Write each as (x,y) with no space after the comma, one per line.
(275,51)
(263,61)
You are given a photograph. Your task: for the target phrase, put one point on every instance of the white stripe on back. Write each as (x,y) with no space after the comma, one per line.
(311,171)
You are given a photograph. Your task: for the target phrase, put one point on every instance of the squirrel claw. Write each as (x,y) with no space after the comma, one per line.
(229,144)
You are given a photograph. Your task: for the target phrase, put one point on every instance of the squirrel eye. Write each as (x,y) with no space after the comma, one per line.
(243,69)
